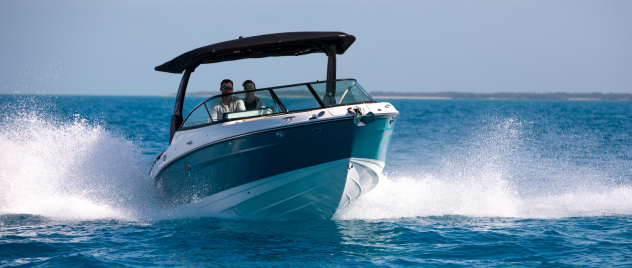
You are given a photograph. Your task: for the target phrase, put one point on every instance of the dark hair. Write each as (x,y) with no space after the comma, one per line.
(248,81)
(226,81)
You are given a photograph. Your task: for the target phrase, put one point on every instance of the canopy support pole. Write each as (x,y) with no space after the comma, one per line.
(330,95)
(176,118)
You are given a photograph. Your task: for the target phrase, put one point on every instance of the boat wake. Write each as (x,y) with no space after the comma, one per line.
(67,170)
(491,196)
(78,170)
(498,173)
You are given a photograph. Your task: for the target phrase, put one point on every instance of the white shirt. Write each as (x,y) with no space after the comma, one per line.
(218,109)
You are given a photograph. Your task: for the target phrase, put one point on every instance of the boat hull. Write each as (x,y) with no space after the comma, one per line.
(296,172)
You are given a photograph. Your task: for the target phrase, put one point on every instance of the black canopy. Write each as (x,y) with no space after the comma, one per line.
(268,45)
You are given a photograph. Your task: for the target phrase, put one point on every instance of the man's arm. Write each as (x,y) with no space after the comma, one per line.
(261,104)
(214,113)
(240,106)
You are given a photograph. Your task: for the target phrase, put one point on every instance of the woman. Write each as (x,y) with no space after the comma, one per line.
(251,101)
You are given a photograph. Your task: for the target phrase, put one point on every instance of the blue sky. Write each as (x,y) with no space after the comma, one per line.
(111,47)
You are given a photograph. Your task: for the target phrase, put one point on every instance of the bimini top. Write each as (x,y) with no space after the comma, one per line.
(261,46)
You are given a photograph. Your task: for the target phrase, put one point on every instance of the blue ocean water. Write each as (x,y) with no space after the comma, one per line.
(467,183)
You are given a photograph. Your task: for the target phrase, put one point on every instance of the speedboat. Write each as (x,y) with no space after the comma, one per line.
(309,152)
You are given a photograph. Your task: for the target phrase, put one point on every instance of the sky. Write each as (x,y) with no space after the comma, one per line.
(111,47)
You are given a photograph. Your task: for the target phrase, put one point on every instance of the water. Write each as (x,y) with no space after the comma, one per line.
(467,183)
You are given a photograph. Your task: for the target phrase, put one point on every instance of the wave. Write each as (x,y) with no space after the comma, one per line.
(488,197)
(78,170)
(67,169)
(497,173)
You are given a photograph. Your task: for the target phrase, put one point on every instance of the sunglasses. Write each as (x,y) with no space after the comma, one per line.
(226,88)
(249,87)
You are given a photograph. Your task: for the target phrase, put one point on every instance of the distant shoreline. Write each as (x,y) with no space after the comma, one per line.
(485,96)
(412,97)
(451,98)
(504,96)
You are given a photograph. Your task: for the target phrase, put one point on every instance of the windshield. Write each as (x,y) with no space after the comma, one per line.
(262,102)
(232,106)
(340,92)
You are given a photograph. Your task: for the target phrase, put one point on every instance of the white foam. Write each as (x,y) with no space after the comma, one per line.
(495,174)
(67,169)
(76,170)
(580,203)
(482,197)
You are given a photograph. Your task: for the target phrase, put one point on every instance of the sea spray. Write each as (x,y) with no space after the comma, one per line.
(72,166)
(64,166)
(495,173)
(68,169)
(467,183)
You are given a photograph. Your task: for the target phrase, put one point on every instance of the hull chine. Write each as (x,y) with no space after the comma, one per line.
(316,192)
(312,192)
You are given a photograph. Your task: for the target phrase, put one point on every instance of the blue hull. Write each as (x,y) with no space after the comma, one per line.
(294,172)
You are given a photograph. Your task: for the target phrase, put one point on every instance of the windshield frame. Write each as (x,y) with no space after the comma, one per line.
(276,100)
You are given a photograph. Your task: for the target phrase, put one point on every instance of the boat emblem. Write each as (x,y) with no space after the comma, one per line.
(187,166)
(316,130)
(280,134)
(164,158)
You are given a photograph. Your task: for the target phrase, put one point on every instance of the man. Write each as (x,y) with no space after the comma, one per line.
(251,102)
(226,103)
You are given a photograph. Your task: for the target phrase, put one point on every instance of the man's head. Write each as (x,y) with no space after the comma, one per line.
(249,85)
(226,86)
